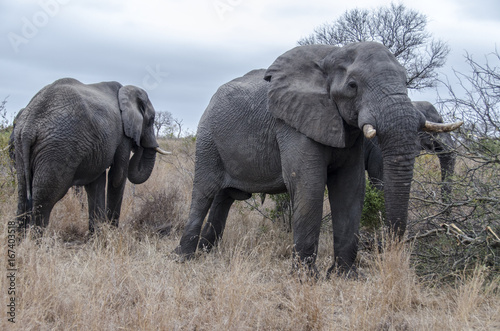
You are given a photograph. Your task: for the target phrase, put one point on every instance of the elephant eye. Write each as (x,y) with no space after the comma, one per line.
(352,85)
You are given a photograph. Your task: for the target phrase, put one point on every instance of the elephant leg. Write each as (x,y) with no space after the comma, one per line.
(23,216)
(42,207)
(202,198)
(307,204)
(200,204)
(40,215)
(374,163)
(208,177)
(47,190)
(96,200)
(376,174)
(346,188)
(214,227)
(304,170)
(116,186)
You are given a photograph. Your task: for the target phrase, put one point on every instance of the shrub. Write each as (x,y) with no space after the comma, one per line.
(456,235)
(159,213)
(7,170)
(373,208)
(282,211)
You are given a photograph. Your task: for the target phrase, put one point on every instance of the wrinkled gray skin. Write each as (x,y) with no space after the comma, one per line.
(69,134)
(298,130)
(440,143)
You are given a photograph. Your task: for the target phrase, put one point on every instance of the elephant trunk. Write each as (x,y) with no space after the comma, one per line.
(447,162)
(446,153)
(398,173)
(398,144)
(141,165)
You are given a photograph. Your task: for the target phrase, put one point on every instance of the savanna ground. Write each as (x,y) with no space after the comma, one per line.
(127,278)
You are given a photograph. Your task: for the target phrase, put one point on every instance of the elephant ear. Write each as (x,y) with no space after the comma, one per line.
(298,95)
(131,106)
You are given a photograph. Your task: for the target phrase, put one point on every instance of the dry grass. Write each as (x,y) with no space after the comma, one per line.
(126,278)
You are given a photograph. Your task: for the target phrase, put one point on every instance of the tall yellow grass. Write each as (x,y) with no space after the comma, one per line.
(125,279)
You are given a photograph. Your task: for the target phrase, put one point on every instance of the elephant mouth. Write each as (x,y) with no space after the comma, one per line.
(156,148)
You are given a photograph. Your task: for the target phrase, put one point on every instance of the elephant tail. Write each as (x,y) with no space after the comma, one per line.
(26,156)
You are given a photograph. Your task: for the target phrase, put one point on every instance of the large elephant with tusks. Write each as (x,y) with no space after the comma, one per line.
(298,127)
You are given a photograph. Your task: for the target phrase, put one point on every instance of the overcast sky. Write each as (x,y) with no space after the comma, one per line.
(181,51)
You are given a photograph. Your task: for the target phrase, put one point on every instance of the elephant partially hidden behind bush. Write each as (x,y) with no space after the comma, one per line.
(69,134)
(440,143)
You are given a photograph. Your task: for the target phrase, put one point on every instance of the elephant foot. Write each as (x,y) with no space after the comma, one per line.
(32,232)
(35,232)
(22,232)
(205,245)
(180,256)
(91,229)
(305,267)
(343,272)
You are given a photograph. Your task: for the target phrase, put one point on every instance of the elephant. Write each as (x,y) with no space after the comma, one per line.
(69,134)
(298,127)
(440,143)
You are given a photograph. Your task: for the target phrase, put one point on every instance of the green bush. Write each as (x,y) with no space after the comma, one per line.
(7,170)
(373,208)
(371,218)
(282,210)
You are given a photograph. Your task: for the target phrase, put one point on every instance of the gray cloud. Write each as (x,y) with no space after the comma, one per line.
(180,52)
(480,9)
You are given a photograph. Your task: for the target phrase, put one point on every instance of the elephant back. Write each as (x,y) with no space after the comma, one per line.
(70,115)
(243,98)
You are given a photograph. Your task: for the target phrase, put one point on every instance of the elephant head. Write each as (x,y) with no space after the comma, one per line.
(138,117)
(440,143)
(332,94)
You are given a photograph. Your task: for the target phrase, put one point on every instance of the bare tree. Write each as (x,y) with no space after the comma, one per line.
(471,215)
(163,121)
(4,122)
(402,30)
(479,101)
(178,122)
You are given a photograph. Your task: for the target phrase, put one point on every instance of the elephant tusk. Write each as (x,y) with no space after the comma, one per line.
(161,151)
(6,148)
(369,131)
(441,127)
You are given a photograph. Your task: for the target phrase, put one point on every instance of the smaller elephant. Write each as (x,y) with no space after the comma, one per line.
(440,143)
(69,134)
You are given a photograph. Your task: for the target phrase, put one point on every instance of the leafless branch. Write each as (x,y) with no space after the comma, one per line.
(402,30)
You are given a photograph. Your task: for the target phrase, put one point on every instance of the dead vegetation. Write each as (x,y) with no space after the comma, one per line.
(126,278)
